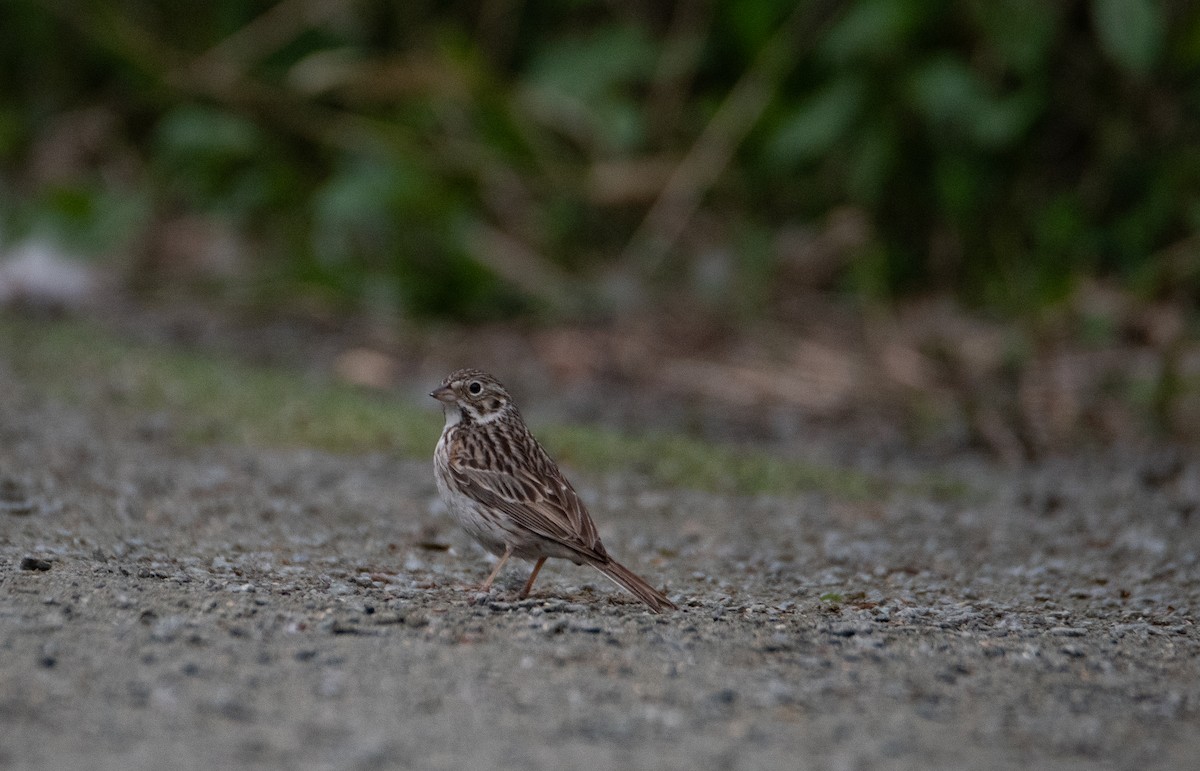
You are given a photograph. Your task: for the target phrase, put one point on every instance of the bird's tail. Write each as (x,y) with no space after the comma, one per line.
(635,585)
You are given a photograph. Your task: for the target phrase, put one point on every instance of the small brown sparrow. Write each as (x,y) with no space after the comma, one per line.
(508,494)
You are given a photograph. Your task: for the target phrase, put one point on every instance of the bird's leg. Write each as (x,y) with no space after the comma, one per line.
(487,585)
(532,577)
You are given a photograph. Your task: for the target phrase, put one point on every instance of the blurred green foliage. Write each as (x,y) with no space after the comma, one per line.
(478,159)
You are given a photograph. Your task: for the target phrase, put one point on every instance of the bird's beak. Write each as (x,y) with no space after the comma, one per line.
(443,394)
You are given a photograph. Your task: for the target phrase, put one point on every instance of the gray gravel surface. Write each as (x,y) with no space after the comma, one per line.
(166,605)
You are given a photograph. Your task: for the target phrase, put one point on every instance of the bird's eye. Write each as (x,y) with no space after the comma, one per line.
(475,387)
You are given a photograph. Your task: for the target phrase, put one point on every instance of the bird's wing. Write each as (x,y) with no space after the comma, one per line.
(544,503)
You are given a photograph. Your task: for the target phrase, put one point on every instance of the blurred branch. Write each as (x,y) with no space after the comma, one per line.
(710,155)
(267,33)
(110,30)
(521,266)
(217,74)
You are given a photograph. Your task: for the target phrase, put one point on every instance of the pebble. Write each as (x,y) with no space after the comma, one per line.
(1068,631)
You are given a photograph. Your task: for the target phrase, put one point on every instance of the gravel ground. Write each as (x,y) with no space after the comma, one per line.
(166,605)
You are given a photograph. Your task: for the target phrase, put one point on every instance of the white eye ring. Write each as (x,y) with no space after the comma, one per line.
(475,388)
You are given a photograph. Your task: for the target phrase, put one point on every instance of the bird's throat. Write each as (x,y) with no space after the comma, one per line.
(454,415)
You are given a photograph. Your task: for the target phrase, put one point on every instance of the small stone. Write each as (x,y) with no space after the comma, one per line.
(34,563)
(234,710)
(557,626)
(725,696)
(337,626)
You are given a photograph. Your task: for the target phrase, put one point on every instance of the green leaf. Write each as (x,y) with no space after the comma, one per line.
(1002,121)
(945,90)
(1130,32)
(952,97)
(586,68)
(220,160)
(593,81)
(869,28)
(812,128)
(205,134)
(375,206)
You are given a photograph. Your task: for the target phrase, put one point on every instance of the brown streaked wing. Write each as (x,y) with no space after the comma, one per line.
(547,506)
(569,501)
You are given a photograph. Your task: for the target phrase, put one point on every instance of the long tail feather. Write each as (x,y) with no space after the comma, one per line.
(635,585)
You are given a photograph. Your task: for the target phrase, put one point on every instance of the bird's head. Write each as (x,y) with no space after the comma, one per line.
(474,394)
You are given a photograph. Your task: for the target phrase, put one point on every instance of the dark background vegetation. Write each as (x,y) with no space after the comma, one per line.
(1033,162)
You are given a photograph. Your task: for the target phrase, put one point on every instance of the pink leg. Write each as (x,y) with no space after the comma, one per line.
(532,577)
(487,585)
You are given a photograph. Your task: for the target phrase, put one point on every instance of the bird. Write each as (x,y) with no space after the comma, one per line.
(509,495)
